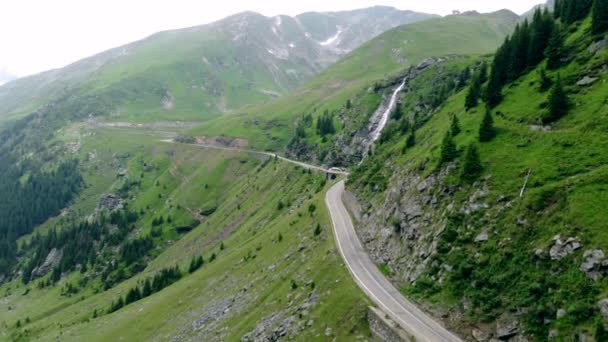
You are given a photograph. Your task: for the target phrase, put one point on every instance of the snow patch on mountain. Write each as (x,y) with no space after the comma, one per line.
(333,39)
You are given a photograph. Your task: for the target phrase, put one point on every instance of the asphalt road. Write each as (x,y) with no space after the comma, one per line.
(413,320)
(366,274)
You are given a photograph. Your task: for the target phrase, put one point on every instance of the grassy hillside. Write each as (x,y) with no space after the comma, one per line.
(270,126)
(478,250)
(275,266)
(198,73)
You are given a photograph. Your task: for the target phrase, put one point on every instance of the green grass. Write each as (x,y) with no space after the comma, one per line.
(246,191)
(270,126)
(566,195)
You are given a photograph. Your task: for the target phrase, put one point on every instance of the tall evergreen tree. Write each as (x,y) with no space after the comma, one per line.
(487,132)
(472,99)
(483,73)
(555,49)
(448,149)
(542,26)
(471,167)
(493,92)
(558,103)
(455,126)
(411,139)
(599,16)
(519,51)
(463,78)
(545,81)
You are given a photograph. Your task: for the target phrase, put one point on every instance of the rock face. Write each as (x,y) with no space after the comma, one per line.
(52,260)
(563,248)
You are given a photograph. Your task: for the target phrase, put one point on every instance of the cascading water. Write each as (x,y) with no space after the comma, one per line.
(377,131)
(381,117)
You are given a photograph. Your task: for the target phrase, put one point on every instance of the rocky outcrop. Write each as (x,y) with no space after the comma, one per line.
(505,330)
(595,264)
(586,81)
(52,260)
(599,45)
(110,202)
(562,248)
(285,324)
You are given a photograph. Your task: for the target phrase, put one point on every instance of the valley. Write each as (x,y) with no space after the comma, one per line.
(375,174)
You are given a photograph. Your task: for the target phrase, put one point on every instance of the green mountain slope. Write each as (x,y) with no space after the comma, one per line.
(267,267)
(201,72)
(513,248)
(390,54)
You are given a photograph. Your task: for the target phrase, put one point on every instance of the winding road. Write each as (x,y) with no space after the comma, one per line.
(413,320)
(367,276)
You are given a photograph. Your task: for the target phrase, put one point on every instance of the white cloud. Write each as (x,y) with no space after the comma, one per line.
(37,35)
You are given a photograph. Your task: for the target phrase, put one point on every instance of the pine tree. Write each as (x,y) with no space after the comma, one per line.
(545,82)
(483,73)
(599,16)
(519,51)
(542,26)
(455,126)
(472,99)
(471,168)
(411,139)
(463,78)
(493,93)
(448,149)
(555,49)
(147,289)
(558,103)
(487,132)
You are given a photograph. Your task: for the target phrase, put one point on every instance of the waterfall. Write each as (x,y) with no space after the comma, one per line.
(381,117)
(385,114)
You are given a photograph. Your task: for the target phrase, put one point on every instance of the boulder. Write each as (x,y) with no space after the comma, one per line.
(506,330)
(595,263)
(562,249)
(483,237)
(599,45)
(603,305)
(560,313)
(553,334)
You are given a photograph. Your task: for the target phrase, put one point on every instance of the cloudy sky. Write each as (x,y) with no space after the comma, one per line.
(37,35)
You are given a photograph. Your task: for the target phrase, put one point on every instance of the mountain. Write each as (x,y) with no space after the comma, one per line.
(387,56)
(103,236)
(477,185)
(201,72)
